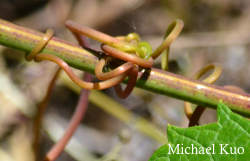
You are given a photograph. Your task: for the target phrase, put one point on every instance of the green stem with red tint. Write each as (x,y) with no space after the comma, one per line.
(153,80)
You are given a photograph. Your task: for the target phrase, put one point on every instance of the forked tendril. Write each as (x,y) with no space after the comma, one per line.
(127,48)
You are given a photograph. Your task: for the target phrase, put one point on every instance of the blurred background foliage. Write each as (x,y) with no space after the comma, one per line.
(214,31)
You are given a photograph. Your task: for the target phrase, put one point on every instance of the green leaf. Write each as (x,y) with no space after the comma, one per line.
(228,139)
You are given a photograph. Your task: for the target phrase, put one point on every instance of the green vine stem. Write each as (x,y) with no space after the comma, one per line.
(153,80)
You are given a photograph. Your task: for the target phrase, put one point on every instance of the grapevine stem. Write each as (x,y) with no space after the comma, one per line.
(150,79)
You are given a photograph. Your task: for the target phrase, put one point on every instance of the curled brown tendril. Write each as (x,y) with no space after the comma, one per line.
(131,84)
(127,48)
(106,39)
(87,85)
(48,35)
(119,70)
